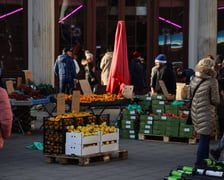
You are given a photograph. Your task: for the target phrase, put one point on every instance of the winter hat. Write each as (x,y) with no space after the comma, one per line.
(136,54)
(206,63)
(205,66)
(161,58)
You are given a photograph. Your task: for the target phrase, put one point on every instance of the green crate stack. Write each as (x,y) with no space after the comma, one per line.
(146,124)
(172,127)
(158,97)
(126,114)
(128,134)
(158,109)
(145,102)
(183,111)
(171,109)
(129,124)
(186,130)
(146,127)
(159,127)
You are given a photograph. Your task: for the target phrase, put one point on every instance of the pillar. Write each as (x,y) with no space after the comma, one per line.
(202,30)
(41,40)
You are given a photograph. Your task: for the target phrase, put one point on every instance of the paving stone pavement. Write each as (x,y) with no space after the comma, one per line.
(147,160)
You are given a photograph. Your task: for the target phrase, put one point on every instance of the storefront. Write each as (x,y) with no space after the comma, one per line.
(152,27)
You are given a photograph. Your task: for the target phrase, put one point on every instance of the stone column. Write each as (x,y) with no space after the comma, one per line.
(41,40)
(202,30)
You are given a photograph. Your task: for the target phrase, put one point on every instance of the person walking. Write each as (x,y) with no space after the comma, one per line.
(105,66)
(6,117)
(163,71)
(89,70)
(203,105)
(65,69)
(138,73)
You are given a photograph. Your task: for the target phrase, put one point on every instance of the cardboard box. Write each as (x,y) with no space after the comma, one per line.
(181,91)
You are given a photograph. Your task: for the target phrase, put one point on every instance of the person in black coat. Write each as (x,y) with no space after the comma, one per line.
(138,73)
(164,72)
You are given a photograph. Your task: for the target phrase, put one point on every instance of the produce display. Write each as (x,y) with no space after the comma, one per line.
(25,93)
(55,129)
(108,97)
(156,115)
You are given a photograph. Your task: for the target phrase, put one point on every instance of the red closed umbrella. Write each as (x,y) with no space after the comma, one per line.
(119,71)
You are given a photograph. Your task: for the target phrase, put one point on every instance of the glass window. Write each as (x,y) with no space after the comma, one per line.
(220,34)
(106,24)
(136,23)
(171,29)
(12,40)
(71,26)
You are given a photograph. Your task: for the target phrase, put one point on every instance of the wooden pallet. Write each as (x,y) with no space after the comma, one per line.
(169,139)
(87,159)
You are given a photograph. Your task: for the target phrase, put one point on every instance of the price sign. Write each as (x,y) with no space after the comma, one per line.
(76,101)
(128,91)
(9,86)
(60,103)
(86,88)
(28,75)
(19,82)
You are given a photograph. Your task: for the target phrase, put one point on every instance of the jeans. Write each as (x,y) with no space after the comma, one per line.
(203,149)
(66,86)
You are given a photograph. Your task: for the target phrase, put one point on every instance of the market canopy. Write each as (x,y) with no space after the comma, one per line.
(119,71)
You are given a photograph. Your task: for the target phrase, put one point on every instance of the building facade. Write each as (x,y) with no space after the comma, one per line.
(34,32)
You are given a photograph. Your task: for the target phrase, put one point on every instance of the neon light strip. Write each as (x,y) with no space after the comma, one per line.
(13,12)
(62,19)
(220,8)
(168,21)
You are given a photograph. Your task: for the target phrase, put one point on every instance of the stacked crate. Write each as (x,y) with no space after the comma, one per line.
(129,124)
(78,144)
(185,130)
(55,131)
(145,102)
(146,124)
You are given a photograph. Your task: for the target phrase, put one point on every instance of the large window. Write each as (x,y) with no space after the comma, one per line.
(220,35)
(171,13)
(136,25)
(13,39)
(71,20)
(106,23)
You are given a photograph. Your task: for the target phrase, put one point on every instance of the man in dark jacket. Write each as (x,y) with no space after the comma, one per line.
(65,69)
(138,73)
(164,72)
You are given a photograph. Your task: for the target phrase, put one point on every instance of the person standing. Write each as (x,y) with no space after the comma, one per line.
(165,72)
(89,70)
(65,69)
(6,117)
(138,73)
(203,106)
(105,67)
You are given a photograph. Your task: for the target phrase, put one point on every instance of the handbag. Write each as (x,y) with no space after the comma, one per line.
(189,119)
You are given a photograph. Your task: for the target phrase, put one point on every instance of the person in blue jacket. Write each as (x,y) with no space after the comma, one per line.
(65,69)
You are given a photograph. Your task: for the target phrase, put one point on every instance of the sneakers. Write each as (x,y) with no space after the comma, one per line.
(215,154)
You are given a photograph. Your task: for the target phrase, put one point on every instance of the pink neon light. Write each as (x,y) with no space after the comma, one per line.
(221,8)
(168,21)
(62,19)
(10,13)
